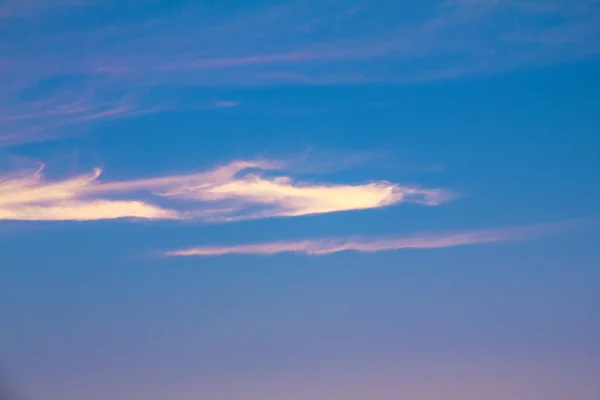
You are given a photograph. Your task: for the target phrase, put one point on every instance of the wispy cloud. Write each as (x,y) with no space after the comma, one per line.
(65,65)
(282,196)
(57,105)
(236,191)
(320,247)
(226,104)
(30,197)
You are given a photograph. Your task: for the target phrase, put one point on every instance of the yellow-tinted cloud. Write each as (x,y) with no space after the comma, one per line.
(282,196)
(319,247)
(87,211)
(30,197)
(235,191)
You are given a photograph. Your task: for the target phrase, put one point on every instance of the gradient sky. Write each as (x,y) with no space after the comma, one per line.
(291,200)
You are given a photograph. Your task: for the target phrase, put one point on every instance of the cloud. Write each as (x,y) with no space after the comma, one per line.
(63,66)
(226,104)
(30,197)
(86,211)
(241,190)
(320,247)
(235,191)
(281,196)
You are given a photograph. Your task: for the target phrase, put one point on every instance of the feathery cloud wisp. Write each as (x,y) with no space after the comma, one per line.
(226,104)
(319,247)
(281,196)
(30,197)
(236,191)
(59,52)
(240,194)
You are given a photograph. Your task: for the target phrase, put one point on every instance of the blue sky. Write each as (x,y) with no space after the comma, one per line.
(295,200)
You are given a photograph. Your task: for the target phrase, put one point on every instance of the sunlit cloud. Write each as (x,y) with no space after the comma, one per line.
(29,197)
(320,247)
(235,191)
(243,191)
(282,196)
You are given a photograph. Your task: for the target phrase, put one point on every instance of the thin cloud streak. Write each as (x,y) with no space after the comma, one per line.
(43,114)
(85,73)
(237,191)
(321,247)
(226,104)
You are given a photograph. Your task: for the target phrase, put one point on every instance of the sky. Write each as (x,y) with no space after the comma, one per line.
(290,200)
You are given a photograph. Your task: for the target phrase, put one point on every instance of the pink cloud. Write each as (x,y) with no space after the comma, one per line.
(226,104)
(265,45)
(283,57)
(320,247)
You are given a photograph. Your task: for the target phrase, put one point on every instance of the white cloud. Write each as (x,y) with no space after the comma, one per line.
(30,197)
(281,196)
(239,190)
